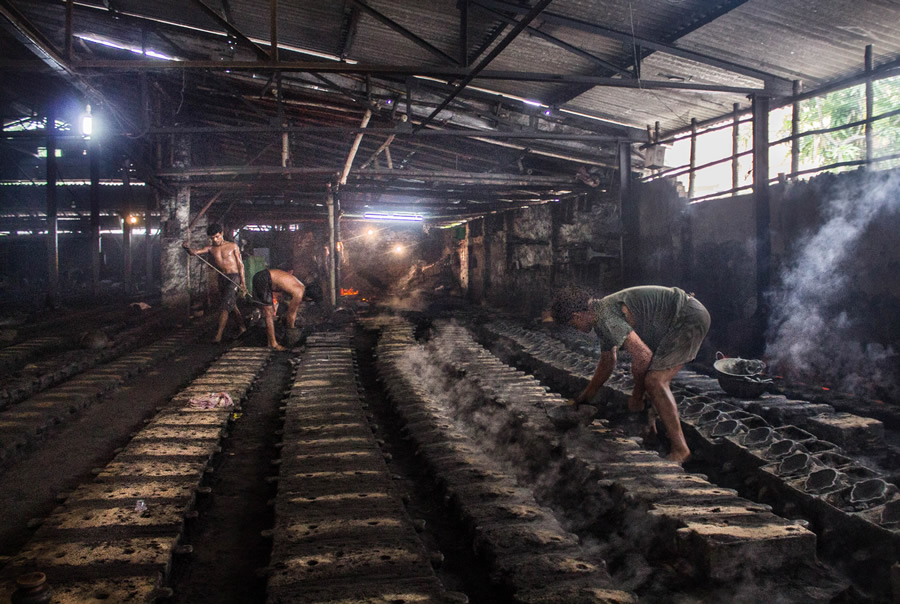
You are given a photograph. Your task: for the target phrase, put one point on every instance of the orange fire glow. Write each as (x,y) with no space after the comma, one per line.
(349,292)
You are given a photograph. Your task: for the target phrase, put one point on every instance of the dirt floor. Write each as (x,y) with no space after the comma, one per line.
(227,541)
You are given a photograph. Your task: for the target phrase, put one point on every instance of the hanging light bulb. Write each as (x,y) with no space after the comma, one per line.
(87,123)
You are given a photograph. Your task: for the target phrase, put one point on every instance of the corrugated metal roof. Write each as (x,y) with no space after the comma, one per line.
(816,41)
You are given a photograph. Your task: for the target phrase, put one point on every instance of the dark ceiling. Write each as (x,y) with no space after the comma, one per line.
(475,105)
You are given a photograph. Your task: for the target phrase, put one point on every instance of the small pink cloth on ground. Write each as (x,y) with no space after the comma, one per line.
(213,400)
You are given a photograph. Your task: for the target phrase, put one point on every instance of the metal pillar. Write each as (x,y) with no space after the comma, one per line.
(870,97)
(52,235)
(630,218)
(692,175)
(126,225)
(94,154)
(338,246)
(735,146)
(761,203)
(329,202)
(795,130)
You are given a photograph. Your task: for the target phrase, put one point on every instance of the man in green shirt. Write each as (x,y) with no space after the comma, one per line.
(662,328)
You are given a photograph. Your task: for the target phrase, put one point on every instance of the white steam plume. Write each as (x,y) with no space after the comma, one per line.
(813,326)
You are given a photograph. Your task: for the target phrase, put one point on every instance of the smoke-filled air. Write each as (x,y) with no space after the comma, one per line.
(815,332)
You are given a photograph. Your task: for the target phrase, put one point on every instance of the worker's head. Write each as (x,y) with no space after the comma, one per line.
(215,232)
(570,307)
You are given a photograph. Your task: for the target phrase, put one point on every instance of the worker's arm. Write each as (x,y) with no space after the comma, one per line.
(640,362)
(187,246)
(605,367)
(240,265)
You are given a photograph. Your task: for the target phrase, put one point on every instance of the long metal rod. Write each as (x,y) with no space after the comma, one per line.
(635,136)
(629,38)
(405,32)
(556,41)
(500,47)
(406,174)
(231,29)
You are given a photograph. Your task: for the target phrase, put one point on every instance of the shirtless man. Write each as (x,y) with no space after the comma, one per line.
(662,328)
(227,257)
(265,283)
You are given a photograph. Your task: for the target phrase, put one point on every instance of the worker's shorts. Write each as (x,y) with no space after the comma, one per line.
(262,287)
(682,342)
(228,290)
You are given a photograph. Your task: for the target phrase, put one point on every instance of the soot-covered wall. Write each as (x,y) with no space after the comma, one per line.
(834,295)
(516,259)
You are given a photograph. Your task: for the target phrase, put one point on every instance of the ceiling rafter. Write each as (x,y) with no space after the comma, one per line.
(405,32)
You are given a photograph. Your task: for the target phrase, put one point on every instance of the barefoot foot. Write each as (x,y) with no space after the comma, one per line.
(679,456)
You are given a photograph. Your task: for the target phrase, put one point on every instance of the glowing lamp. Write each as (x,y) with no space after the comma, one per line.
(87,123)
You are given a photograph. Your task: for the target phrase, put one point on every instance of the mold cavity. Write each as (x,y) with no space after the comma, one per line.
(726,428)
(794,463)
(794,433)
(781,448)
(694,409)
(758,436)
(709,417)
(868,490)
(822,480)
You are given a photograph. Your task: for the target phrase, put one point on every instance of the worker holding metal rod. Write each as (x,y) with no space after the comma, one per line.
(228,263)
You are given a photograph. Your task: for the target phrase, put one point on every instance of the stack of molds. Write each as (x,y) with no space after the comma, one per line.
(113,539)
(341,531)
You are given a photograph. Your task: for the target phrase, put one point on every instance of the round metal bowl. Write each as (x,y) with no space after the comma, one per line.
(741,377)
(565,417)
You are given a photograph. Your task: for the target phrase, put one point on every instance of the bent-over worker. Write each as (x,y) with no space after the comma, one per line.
(227,258)
(265,283)
(662,328)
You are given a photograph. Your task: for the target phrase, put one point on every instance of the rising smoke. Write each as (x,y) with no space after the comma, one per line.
(818,322)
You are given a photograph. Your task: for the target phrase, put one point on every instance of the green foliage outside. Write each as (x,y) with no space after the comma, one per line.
(848,144)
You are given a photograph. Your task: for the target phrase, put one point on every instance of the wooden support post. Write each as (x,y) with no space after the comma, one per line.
(692,175)
(795,130)
(761,203)
(735,146)
(870,98)
(355,147)
(52,224)
(95,215)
